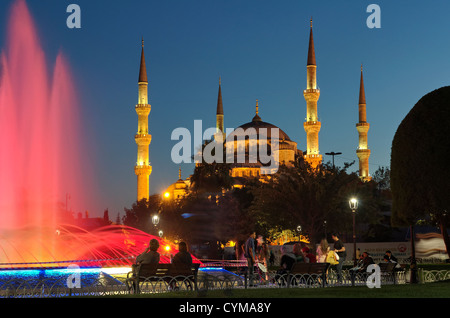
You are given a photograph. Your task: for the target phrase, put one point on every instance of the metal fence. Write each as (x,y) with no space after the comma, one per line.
(43,288)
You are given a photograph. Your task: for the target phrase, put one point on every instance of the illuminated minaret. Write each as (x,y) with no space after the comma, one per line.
(220,129)
(312,94)
(363,152)
(143,138)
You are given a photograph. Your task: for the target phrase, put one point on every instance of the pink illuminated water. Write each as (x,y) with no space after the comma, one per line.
(40,153)
(41,156)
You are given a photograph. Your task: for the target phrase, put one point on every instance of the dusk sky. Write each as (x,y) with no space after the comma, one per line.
(259,48)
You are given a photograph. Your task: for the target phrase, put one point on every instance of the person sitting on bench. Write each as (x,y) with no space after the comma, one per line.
(150,255)
(183,256)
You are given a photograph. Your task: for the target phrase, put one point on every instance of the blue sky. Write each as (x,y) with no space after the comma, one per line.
(259,48)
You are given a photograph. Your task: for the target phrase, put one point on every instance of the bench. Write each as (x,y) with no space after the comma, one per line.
(171,273)
(388,269)
(316,271)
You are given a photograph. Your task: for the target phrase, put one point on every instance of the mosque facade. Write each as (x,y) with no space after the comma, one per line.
(257,133)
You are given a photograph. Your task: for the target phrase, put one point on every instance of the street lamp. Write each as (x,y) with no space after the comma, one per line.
(299,230)
(160,233)
(333,154)
(353,206)
(155,220)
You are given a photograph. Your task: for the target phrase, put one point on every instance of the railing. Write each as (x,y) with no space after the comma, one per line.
(207,279)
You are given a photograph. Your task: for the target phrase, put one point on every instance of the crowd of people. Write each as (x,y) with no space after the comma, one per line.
(255,253)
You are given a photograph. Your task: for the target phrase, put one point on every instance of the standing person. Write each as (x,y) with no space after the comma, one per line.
(239,251)
(322,251)
(250,255)
(339,248)
(258,245)
(271,258)
(263,256)
(240,256)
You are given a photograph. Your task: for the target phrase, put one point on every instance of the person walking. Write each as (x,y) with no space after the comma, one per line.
(339,248)
(250,255)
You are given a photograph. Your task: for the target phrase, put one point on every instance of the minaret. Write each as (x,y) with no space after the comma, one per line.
(220,129)
(143,138)
(312,94)
(363,126)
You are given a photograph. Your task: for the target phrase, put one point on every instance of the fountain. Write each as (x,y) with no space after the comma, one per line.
(41,161)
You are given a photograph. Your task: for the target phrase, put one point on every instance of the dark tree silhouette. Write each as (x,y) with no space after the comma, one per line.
(420,178)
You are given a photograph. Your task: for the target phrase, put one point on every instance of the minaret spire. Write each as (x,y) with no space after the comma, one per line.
(363,152)
(362,94)
(220,128)
(219,99)
(312,93)
(311,51)
(142,70)
(143,169)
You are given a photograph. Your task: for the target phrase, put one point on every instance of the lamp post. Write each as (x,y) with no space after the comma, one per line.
(155,220)
(353,206)
(333,154)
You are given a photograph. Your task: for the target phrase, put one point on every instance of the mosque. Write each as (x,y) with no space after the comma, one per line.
(251,167)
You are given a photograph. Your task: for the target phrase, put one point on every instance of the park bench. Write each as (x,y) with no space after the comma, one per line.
(168,273)
(387,270)
(309,273)
(388,273)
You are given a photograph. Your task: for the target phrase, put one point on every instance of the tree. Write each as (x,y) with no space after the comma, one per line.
(212,177)
(420,179)
(382,176)
(139,216)
(300,195)
(234,219)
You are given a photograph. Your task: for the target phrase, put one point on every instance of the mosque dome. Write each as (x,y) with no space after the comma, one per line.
(263,131)
(257,129)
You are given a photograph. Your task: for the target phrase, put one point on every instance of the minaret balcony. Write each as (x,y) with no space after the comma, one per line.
(143,109)
(143,139)
(363,127)
(312,126)
(311,90)
(311,95)
(363,153)
(143,169)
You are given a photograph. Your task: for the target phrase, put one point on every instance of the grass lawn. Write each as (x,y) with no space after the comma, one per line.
(429,290)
